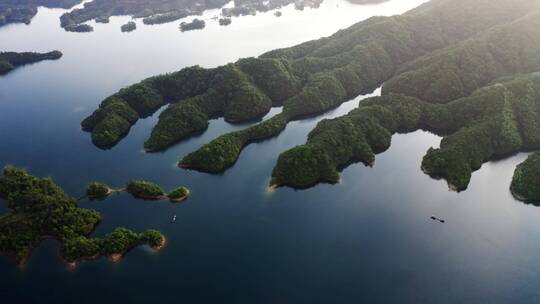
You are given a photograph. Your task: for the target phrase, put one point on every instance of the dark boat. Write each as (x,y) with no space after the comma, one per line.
(438,219)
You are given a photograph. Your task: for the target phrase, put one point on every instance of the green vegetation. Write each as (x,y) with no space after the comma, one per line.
(96,190)
(138,189)
(150,191)
(17,11)
(441,63)
(112,121)
(128,27)
(526,181)
(251,7)
(16,14)
(11,60)
(167,17)
(79,28)
(102,20)
(495,121)
(225,21)
(240,92)
(158,12)
(223,152)
(358,59)
(114,244)
(41,209)
(459,70)
(145,190)
(153,12)
(177,122)
(178,194)
(196,24)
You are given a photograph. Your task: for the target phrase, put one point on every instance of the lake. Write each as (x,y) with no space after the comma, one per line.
(368,239)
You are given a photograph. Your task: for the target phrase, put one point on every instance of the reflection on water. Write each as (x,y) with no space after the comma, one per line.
(368,239)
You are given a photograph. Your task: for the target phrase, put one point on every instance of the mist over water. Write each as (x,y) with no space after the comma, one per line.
(368,238)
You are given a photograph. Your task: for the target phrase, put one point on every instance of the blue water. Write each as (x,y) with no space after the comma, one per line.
(366,240)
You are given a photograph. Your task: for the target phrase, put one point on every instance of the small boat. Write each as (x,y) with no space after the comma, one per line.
(174,218)
(438,219)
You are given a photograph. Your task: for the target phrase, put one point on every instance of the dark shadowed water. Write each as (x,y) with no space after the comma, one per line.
(367,240)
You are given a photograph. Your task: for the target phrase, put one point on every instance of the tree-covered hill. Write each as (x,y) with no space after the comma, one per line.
(455,67)
(494,121)
(352,61)
(328,89)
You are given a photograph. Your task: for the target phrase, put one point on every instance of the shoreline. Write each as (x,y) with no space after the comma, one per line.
(161,198)
(271,188)
(179,199)
(110,191)
(114,257)
(452,187)
(143,197)
(517,196)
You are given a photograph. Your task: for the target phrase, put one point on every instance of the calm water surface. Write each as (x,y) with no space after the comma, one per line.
(366,240)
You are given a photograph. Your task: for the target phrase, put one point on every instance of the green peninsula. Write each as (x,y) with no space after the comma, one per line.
(307,79)
(464,69)
(40,210)
(394,51)
(493,122)
(452,92)
(12,60)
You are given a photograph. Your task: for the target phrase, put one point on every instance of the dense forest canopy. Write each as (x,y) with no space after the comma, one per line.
(295,71)
(494,121)
(41,209)
(441,53)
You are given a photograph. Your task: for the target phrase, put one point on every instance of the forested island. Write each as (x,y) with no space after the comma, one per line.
(225,21)
(138,189)
(195,24)
(526,180)
(12,60)
(128,27)
(79,28)
(22,11)
(435,61)
(158,12)
(41,210)
(150,191)
(153,12)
